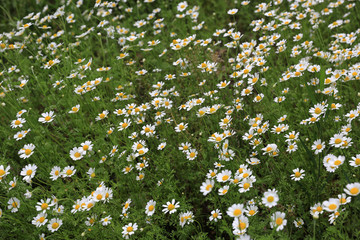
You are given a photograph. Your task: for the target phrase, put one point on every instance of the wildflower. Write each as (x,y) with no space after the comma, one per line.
(75,109)
(102,115)
(215,215)
(298,222)
(68,171)
(106,220)
(352,189)
(170,207)
(55,173)
(40,219)
(129,230)
(4,171)
(278,221)
(54,224)
(236,210)
(47,117)
(20,135)
(224,176)
(181,127)
(77,153)
(150,208)
(318,146)
(331,205)
(232,11)
(26,151)
(14,204)
(91,220)
(270,198)
(298,174)
(18,123)
(240,225)
(355,162)
(28,172)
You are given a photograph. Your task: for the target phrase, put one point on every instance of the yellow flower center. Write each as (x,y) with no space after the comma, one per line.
(27,151)
(237,212)
(77,154)
(171,207)
(270,199)
(354,191)
(332,206)
(44,206)
(55,225)
(279,221)
(151,208)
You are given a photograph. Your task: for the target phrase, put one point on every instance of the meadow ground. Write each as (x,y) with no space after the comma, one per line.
(160,119)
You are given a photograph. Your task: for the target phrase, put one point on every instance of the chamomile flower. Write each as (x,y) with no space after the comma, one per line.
(215,215)
(76,153)
(278,221)
(270,198)
(28,172)
(207,186)
(352,189)
(26,151)
(18,123)
(129,230)
(170,207)
(68,171)
(47,117)
(331,205)
(55,173)
(298,174)
(355,162)
(102,115)
(235,210)
(54,224)
(40,219)
(75,109)
(106,220)
(14,204)
(150,208)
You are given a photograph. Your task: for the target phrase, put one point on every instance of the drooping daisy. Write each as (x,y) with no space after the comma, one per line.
(20,135)
(355,162)
(47,117)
